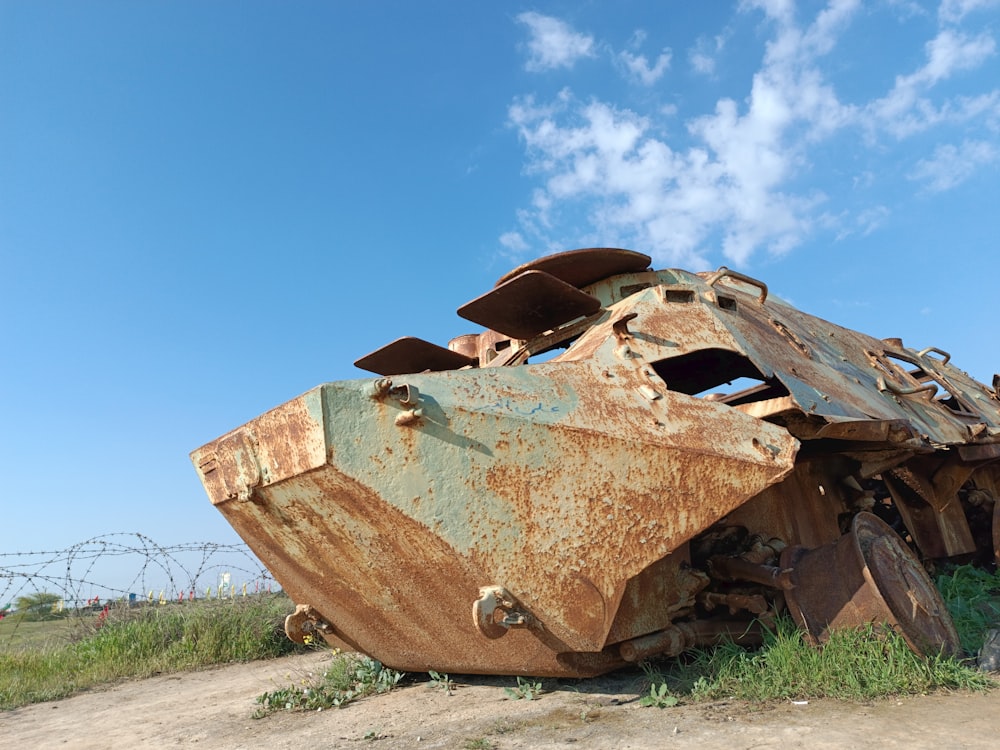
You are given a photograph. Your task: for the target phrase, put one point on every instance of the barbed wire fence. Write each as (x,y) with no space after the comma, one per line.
(131,567)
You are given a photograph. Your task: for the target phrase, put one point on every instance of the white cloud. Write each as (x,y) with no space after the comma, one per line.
(906,109)
(782,11)
(702,56)
(871,219)
(951,165)
(953,11)
(701,62)
(553,43)
(907,8)
(729,183)
(640,70)
(513,241)
(733,179)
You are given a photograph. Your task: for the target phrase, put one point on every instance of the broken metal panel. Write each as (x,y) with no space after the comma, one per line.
(806,506)
(672,583)
(939,529)
(829,371)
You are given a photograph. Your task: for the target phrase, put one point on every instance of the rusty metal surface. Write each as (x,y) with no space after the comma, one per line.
(621,499)
(868,577)
(529,304)
(583,267)
(410,354)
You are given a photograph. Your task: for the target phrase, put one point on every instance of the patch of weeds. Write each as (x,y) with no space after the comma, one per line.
(374,734)
(526,690)
(659,696)
(480,743)
(441,681)
(348,678)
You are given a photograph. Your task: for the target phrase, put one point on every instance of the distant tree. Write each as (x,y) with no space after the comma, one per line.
(38,606)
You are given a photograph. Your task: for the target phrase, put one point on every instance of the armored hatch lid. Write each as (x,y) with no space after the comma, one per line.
(529,304)
(583,267)
(410,354)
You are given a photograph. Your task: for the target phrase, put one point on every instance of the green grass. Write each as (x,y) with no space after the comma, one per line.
(53,659)
(18,634)
(853,665)
(141,642)
(972,595)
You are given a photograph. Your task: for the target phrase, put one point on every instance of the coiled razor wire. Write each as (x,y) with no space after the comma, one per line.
(99,569)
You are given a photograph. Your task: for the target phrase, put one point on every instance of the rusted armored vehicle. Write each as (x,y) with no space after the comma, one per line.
(625,462)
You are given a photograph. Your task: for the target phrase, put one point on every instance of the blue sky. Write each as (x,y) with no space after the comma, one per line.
(207,208)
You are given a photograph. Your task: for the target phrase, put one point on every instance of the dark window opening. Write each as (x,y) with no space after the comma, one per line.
(718,375)
(682,296)
(726,303)
(628,291)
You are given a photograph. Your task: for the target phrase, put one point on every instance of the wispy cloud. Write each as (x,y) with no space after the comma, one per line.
(951,165)
(703,54)
(553,43)
(906,110)
(734,177)
(953,11)
(640,69)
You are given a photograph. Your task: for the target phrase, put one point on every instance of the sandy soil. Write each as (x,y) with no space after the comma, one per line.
(212,709)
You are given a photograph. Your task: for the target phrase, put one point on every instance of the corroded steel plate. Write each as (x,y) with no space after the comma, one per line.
(583,267)
(410,354)
(529,304)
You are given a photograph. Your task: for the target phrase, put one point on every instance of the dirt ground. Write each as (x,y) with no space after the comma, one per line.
(212,709)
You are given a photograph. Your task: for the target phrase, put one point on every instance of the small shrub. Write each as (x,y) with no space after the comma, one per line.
(348,678)
(442,681)
(525,690)
(659,696)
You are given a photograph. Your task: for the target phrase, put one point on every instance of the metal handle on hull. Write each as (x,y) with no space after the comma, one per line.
(724,272)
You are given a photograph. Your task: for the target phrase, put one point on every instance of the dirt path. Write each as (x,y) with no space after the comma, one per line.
(212,709)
